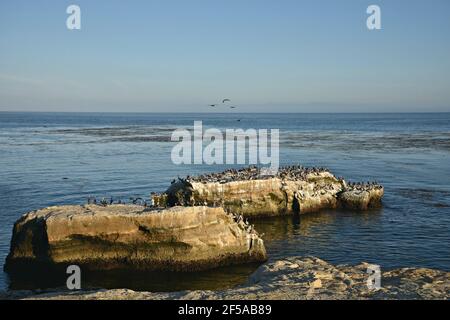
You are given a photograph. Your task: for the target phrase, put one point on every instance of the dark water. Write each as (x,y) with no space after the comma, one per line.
(51,158)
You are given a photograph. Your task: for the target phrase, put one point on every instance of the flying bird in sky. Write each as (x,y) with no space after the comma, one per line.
(223,102)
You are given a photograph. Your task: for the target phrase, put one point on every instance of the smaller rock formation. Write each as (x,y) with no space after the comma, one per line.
(361,197)
(131,236)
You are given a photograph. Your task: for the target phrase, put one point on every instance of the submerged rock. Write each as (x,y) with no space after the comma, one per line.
(130,236)
(293,190)
(295,278)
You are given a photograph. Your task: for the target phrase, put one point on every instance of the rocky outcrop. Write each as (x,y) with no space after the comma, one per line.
(360,199)
(130,236)
(295,278)
(293,190)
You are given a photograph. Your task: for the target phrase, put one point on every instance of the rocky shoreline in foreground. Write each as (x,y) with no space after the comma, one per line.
(304,278)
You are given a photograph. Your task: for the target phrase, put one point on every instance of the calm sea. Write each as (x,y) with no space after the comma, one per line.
(62,158)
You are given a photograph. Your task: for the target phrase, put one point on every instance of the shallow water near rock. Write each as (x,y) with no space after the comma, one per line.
(62,158)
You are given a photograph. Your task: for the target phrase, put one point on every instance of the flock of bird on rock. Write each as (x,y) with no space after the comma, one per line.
(244,224)
(110,201)
(295,173)
(364,186)
(254,173)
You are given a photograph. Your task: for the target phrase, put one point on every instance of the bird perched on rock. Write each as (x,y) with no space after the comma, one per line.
(104,202)
(91,200)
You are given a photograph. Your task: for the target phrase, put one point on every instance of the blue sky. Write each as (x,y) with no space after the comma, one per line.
(267,56)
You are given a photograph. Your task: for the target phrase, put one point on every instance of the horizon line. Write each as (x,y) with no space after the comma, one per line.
(227,113)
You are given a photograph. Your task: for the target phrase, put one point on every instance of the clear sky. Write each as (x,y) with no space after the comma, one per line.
(267,56)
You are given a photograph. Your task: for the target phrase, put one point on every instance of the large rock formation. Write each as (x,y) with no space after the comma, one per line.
(292,190)
(130,236)
(295,278)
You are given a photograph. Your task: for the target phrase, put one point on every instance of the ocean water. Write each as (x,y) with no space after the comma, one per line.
(62,158)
